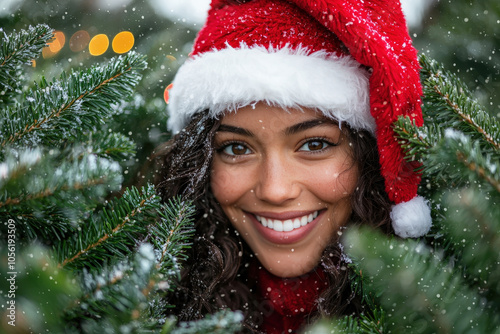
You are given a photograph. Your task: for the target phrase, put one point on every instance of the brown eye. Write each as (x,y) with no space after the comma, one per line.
(236,149)
(314,145)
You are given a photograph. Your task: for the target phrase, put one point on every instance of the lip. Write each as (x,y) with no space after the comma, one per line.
(284,238)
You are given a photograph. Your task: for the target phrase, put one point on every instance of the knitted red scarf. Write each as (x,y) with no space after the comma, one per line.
(289,300)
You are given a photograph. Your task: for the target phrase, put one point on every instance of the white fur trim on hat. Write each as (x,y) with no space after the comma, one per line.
(411,219)
(226,80)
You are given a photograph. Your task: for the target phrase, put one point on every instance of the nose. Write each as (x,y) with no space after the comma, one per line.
(278,180)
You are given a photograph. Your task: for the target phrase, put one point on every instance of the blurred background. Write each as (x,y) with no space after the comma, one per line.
(464,35)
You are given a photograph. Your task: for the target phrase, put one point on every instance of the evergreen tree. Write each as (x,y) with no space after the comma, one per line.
(78,253)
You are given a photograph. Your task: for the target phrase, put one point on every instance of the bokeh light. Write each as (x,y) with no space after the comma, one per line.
(98,44)
(166,93)
(54,46)
(79,41)
(123,42)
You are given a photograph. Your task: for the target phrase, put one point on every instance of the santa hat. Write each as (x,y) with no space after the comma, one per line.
(352,60)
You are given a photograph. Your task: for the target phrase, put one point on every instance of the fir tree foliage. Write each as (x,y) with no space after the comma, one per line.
(19,48)
(35,181)
(79,254)
(223,322)
(75,104)
(426,294)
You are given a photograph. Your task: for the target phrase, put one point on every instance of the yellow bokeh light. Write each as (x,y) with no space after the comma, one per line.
(54,46)
(98,44)
(79,41)
(123,42)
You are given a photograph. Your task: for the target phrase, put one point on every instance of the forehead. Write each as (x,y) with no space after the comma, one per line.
(269,117)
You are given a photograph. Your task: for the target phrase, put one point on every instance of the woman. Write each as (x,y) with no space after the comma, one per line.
(282,115)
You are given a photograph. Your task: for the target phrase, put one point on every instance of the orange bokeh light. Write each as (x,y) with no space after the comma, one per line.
(166,93)
(123,42)
(98,44)
(79,41)
(54,46)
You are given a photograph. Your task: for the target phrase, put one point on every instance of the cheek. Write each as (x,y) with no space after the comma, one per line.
(335,181)
(228,183)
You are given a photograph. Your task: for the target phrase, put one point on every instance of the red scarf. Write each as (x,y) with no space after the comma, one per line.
(288,300)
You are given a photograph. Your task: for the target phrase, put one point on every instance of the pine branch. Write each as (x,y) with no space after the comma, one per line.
(113,232)
(419,292)
(116,298)
(68,108)
(473,225)
(172,235)
(417,141)
(18,49)
(372,321)
(463,160)
(364,324)
(35,182)
(48,225)
(450,103)
(223,322)
(111,145)
(449,155)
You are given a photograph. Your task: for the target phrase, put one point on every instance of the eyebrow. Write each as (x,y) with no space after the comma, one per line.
(296,128)
(307,125)
(235,129)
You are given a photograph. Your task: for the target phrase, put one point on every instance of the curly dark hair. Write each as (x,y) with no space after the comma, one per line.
(215,275)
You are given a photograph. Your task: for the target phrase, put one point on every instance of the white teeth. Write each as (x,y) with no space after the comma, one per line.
(278,225)
(287,225)
(303,221)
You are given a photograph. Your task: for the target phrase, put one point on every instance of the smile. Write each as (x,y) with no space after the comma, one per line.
(288,224)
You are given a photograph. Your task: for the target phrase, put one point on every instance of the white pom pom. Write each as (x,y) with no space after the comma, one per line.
(411,219)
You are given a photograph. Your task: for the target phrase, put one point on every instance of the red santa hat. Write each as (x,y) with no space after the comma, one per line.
(352,60)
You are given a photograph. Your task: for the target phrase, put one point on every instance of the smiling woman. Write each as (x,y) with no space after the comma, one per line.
(293,145)
(285,181)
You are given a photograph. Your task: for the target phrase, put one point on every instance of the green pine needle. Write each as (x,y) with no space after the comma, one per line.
(70,107)
(17,50)
(111,145)
(173,234)
(113,232)
(473,226)
(222,322)
(450,103)
(419,293)
(115,299)
(35,182)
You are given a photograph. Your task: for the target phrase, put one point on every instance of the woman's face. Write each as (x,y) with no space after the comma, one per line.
(284,179)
